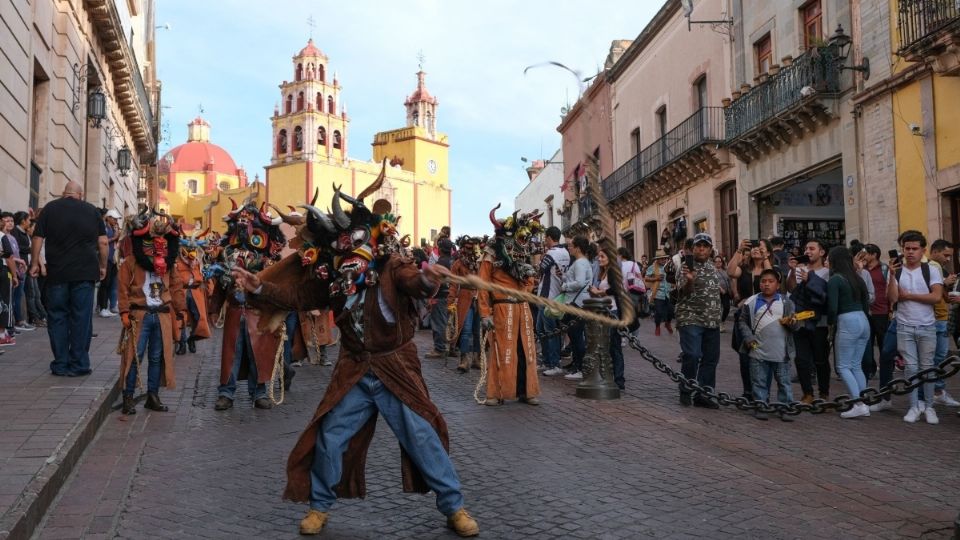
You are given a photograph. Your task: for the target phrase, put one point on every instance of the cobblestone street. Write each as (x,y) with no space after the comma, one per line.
(639,467)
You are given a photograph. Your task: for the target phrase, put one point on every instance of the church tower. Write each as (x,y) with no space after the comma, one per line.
(310,123)
(419,147)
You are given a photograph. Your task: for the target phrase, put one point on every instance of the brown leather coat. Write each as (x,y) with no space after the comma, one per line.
(513,328)
(199,292)
(129,296)
(460,296)
(386,349)
(263,344)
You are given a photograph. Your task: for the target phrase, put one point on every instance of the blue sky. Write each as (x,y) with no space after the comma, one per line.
(231,55)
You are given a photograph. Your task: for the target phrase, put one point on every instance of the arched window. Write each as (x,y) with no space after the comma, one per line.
(319,102)
(298,139)
(416,118)
(282,142)
(300,101)
(429,124)
(310,71)
(299,73)
(321,136)
(330,105)
(288,108)
(192,186)
(337,142)
(320,72)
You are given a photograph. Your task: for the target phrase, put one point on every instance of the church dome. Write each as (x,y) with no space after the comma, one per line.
(310,50)
(198,153)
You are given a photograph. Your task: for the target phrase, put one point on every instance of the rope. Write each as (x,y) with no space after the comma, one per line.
(451,325)
(276,377)
(315,360)
(484,339)
(221,320)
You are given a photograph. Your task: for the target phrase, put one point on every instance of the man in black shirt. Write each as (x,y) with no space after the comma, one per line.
(76,255)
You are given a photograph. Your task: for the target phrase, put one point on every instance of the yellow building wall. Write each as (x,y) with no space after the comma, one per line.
(287,184)
(946,98)
(412,144)
(908,150)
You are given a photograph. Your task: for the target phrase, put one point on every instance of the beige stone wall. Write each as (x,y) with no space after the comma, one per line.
(37,117)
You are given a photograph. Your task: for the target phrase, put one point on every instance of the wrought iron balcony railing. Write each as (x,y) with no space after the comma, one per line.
(919,19)
(705,126)
(810,74)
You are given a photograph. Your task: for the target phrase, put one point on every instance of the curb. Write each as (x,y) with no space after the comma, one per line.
(43,489)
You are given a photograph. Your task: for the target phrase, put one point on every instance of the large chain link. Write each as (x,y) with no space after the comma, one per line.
(870,396)
(559,330)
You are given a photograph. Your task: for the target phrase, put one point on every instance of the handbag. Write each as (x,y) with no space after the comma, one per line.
(554,313)
(634,282)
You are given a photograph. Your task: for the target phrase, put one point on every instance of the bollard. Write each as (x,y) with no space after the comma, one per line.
(597,380)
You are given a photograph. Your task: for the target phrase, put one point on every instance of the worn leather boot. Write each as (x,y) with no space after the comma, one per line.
(462,524)
(313,522)
(128,405)
(153,403)
(223,403)
(192,345)
(263,403)
(180,348)
(475,360)
(462,367)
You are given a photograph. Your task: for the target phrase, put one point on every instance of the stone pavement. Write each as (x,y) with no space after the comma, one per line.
(639,467)
(46,421)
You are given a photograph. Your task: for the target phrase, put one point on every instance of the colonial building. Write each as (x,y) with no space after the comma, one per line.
(671,180)
(311,141)
(789,121)
(80,101)
(544,192)
(907,120)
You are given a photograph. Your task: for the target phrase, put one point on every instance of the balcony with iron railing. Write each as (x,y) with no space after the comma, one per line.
(929,30)
(679,157)
(788,103)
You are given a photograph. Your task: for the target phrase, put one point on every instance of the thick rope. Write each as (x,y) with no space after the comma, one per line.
(221,320)
(451,326)
(315,359)
(276,377)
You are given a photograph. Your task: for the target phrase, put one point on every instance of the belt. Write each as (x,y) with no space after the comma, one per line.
(365,356)
(151,309)
(507,301)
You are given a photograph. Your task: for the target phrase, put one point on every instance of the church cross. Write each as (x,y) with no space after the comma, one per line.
(312,24)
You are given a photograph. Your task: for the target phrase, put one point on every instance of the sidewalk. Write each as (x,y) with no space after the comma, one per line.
(46,422)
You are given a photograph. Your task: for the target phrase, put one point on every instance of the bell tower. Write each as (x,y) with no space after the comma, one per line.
(422,108)
(310,122)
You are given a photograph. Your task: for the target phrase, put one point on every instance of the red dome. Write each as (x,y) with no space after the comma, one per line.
(310,50)
(195,156)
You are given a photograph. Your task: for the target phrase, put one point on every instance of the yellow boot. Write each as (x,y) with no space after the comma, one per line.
(462,524)
(313,522)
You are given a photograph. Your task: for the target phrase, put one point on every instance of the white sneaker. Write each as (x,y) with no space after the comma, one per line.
(553,371)
(914,413)
(106,313)
(931,415)
(882,406)
(943,398)
(25,327)
(860,409)
(575,376)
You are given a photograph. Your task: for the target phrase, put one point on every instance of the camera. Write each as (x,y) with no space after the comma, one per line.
(754,243)
(803,259)
(894,255)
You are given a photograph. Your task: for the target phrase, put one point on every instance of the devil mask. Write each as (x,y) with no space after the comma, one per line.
(155,241)
(253,238)
(515,241)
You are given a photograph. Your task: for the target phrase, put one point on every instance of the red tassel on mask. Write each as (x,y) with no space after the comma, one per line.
(160,256)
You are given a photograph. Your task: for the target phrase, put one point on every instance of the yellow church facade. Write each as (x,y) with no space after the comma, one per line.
(310,152)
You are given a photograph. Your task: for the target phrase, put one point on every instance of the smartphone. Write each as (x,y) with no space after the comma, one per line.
(894,255)
(688,261)
(803,259)
(754,243)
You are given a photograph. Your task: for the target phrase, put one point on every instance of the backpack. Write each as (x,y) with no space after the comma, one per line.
(924,269)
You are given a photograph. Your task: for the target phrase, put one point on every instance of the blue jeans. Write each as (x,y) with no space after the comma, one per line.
(292,321)
(853,335)
(243,348)
(18,300)
(438,324)
(151,342)
(943,343)
(616,355)
(763,372)
(470,334)
(70,326)
(550,345)
(416,436)
(917,346)
(701,354)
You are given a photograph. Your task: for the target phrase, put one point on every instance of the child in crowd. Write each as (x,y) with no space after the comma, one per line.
(767,320)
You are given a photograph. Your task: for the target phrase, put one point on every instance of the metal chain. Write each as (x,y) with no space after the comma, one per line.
(559,330)
(871,396)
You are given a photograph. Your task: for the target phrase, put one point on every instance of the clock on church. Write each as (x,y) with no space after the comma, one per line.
(432,166)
